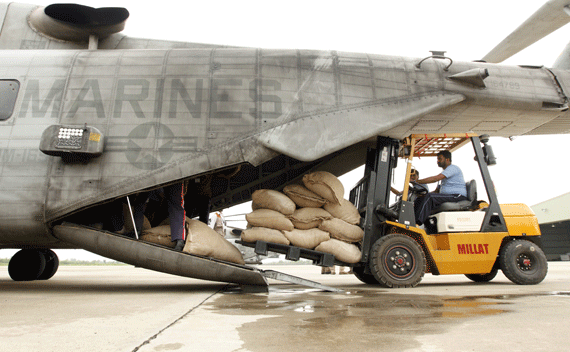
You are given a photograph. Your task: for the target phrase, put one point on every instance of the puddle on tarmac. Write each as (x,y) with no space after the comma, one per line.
(308,320)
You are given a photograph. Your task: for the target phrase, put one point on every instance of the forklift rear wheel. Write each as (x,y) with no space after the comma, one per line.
(369,279)
(398,261)
(483,277)
(523,262)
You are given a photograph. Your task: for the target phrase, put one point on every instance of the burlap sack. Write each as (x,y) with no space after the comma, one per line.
(202,240)
(159,235)
(325,185)
(309,218)
(270,199)
(345,252)
(270,219)
(306,238)
(303,197)
(129,220)
(264,234)
(345,211)
(342,230)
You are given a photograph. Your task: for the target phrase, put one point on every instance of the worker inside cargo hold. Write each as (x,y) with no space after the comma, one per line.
(173,195)
(451,188)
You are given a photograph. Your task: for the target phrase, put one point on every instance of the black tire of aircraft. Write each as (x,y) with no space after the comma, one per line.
(52,264)
(397,261)
(26,265)
(523,262)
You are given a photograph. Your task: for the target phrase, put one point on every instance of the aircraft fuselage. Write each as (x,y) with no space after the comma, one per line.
(168,115)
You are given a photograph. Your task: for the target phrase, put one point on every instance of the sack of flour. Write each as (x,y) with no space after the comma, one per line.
(270,219)
(325,185)
(129,222)
(264,234)
(342,230)
(202,240)
(303,197)
(159,235)
(274,200)
(309,218)
(345,252)
(308,239)
(345,211)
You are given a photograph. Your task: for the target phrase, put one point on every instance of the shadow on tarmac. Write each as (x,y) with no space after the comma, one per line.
(9,286)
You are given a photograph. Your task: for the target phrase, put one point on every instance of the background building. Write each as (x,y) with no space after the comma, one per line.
(554,218)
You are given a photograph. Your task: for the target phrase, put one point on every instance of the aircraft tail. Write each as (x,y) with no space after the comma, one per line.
(550,17)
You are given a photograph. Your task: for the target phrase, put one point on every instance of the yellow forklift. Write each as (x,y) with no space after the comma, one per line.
(472,237)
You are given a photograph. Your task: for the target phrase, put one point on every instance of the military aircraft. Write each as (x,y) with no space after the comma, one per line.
(88,116)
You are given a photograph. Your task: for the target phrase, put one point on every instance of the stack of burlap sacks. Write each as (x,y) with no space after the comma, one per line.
(314,215)
(200,240)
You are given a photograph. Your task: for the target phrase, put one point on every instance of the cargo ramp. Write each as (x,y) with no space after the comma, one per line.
(163,259)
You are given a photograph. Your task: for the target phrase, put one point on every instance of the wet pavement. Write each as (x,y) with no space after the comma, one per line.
(369,320)
(359,319)
(132,309)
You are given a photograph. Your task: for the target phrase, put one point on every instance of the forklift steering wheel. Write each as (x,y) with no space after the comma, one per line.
(419,189)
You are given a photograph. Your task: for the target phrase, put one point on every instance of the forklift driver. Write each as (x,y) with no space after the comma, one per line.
(451,189)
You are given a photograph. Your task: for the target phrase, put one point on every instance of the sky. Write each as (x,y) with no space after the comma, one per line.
(529,169)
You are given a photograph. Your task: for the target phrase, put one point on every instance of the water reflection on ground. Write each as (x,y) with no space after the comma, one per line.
(307,319)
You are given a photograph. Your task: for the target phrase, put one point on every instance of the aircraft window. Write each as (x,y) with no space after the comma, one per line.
(8,94)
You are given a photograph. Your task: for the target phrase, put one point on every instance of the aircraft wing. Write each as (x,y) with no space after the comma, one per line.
(312,136)
(550,17)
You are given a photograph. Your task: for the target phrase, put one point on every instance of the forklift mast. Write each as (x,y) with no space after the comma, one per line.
(373,189)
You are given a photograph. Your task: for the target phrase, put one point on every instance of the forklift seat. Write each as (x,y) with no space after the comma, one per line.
(462,205)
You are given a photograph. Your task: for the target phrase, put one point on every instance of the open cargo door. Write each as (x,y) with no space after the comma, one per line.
(158,258)
(155,257)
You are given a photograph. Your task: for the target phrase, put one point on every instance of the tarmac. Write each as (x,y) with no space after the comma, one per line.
(123,308)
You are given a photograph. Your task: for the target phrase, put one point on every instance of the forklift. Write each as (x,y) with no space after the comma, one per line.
(471,237)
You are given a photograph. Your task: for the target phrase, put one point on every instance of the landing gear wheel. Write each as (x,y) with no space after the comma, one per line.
(483,277)
(369,279)
(523,262)
(397,261)
(26,265)
(52,264)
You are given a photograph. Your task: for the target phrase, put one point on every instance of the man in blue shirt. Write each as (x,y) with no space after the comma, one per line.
(451,189)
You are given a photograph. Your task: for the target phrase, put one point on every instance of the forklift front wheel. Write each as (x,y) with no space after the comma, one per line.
(397,261)
(523,262)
